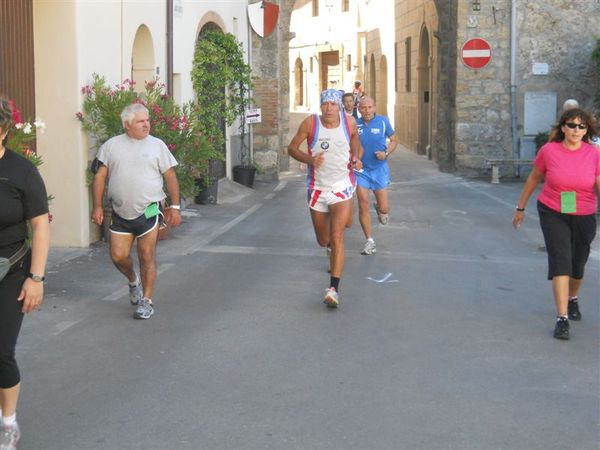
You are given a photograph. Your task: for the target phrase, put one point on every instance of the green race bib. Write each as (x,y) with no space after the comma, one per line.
(151,210)
(568,202)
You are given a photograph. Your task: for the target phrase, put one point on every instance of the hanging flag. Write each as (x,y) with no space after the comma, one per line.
(263,17)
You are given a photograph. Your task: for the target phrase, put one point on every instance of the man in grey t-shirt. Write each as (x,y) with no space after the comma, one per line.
(135,164)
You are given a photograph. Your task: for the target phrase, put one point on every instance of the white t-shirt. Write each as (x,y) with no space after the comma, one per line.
(135,168)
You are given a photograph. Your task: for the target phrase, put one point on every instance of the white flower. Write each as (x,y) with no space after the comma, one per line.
(18,126)
(27,128)
(40,125)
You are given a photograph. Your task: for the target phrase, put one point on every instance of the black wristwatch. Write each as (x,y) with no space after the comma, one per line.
(36,278)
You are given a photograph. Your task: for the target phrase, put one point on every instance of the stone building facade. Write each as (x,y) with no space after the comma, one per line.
(552,45)
(540,55)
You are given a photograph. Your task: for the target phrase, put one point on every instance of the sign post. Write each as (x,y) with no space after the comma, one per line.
(476,53)
(253,115)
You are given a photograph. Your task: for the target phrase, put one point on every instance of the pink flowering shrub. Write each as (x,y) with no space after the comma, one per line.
(178,126)
(21,138)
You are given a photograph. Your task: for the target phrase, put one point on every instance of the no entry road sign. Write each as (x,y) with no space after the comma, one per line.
(476,53)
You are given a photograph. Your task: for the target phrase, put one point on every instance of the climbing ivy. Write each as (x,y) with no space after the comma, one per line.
(221,80)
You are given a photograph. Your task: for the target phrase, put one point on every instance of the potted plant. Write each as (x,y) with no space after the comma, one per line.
(245,171)
(222,81)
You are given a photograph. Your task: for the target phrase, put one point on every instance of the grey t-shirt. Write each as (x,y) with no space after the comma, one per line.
(135,168)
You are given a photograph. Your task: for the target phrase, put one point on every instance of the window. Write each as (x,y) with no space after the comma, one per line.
(299,83)
(348,63)
(315,8)
(407,50)
(311,64)
(345,5)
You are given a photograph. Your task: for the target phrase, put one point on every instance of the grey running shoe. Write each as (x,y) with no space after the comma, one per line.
(370,248)
(135,294)
(9,437)
(144,309)
(332,298)
(383,218)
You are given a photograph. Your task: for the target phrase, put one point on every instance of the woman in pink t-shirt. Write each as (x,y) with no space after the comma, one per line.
(567,205)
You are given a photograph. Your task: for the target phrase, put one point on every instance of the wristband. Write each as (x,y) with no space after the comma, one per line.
(178,207)
(386,154)
(520,209)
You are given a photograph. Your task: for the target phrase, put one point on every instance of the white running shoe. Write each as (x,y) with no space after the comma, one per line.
(332,298)
(9,437)
(370,248)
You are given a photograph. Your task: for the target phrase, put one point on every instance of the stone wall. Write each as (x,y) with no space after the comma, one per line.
(562,34)
(271,94)
(483,97)
(556,35)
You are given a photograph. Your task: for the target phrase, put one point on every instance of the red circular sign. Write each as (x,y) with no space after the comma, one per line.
(476,53)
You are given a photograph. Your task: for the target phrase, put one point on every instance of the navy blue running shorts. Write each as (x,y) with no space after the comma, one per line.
(139,226)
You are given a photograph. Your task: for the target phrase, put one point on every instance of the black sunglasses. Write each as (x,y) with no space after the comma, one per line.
(572,126)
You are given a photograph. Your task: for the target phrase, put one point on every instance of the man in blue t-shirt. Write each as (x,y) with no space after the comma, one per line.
(374,131)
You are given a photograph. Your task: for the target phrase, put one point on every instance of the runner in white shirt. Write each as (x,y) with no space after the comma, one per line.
(333,153)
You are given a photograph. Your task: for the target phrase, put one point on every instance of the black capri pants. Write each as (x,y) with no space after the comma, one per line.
(568,239)
(11,319)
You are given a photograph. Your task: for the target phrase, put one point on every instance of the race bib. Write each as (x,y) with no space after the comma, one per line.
(568,202)
(151,210)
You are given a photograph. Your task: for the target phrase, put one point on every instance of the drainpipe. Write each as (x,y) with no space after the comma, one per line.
(170,47)
(513,80)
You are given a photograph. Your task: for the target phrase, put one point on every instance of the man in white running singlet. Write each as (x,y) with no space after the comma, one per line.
(333,154)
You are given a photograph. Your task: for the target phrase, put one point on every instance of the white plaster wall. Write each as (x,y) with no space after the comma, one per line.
(234,17)
(57,100)
(332,29)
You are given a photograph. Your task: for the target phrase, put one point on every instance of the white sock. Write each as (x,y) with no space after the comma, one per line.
(371,239)
(10,420)
(137,280)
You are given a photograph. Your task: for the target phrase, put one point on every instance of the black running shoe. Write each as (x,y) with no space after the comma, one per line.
(574,313)
(561,330)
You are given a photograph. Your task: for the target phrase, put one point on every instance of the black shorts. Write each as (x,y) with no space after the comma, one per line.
(568,239)
(138,226)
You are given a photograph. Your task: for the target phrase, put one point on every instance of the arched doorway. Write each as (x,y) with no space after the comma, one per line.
(372,88)
(382,96)
(424,95)
(298,83)
(142,58)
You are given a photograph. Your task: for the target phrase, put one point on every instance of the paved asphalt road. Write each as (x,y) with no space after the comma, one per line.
(443,340)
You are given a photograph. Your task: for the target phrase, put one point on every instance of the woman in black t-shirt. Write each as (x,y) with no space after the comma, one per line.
(23,199)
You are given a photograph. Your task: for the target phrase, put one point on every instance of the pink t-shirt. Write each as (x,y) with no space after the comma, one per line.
(567,171)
